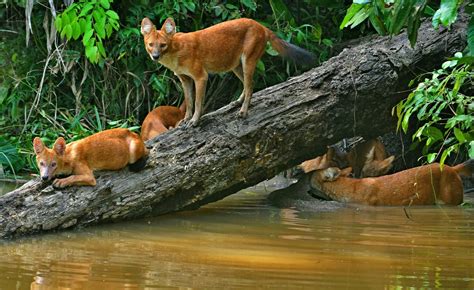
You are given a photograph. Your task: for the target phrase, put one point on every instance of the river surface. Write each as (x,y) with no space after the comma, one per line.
(244,242)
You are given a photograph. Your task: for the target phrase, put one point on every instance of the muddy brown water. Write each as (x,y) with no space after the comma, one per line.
(244,242)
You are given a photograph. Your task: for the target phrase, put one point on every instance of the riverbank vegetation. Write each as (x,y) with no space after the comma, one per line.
(75,70)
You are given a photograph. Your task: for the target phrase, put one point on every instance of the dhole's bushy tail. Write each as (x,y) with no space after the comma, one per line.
(139,164)
(291,51)
(465,169)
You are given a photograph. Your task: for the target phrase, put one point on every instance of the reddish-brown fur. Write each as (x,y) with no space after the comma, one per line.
(234,45)
(367,159)
(423,185)
(161,119)
(107,150)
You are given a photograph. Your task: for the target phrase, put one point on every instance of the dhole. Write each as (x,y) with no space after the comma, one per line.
(107,150)
(161,119)
(234,45)
(367,159)
(423,185)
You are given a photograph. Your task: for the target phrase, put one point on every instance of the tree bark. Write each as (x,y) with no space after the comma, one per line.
(352,94)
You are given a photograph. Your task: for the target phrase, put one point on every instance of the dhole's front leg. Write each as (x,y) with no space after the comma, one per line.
(187,83)
(200,93)
(75,180)
(82,175)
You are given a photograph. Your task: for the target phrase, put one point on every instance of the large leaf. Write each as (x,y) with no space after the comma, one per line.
(447,13)
(362,15)
(402,9)
(281,11)
(351,12)
(470,36)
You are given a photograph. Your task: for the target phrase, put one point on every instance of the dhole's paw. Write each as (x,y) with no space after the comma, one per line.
(194,122)
(60,183)
(243,114)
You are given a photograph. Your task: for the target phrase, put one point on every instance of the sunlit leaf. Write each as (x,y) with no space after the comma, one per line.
(351,12)
(447,13)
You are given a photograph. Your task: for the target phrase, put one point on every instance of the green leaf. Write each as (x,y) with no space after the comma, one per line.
(83,25)
(108,30)
(99,28)
(101,49)
(378,24)
(402,10)
(446,14)
(91,53)
(446,153)
(190,6)
(105,4)
(64,19)
(431,157)
(361,16)
(471,149)
(406,120)
(351,12)
(58,23)
(68,31)
(76,30)
(250,4)
(459,135)
(280,10)
(434,133)
(72,17)
(97,15)
(112,14)
(85,10)
(87,36)
(260,66)
(470,36)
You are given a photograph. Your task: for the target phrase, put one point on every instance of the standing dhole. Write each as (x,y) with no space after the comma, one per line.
(423,185)
(107,150)
(161,119)
(234,45)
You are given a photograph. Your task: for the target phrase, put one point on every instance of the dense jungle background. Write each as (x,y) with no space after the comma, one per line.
(73,68)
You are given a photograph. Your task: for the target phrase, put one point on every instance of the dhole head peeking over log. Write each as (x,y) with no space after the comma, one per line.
(234,45)
(107,150)
(367,159)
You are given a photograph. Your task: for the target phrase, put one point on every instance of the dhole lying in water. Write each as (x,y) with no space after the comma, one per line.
(234,45)
(368,158)
(423,185)
(107,150)
(161,119)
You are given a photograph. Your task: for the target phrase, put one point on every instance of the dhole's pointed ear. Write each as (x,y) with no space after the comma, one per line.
(169,27)
(330,153)
(59,146)
(147,26)
(370,156)
(38,145)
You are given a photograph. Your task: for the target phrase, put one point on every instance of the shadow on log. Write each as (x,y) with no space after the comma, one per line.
(352,94)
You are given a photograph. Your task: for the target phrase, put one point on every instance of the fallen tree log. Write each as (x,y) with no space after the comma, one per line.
(351,94)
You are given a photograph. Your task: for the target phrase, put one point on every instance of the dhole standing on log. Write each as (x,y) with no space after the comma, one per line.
(107,150)
(234,45)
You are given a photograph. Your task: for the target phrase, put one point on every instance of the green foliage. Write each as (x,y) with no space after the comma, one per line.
(10,159)
(96,74)
(445,115)
(389,17)
(91,19)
